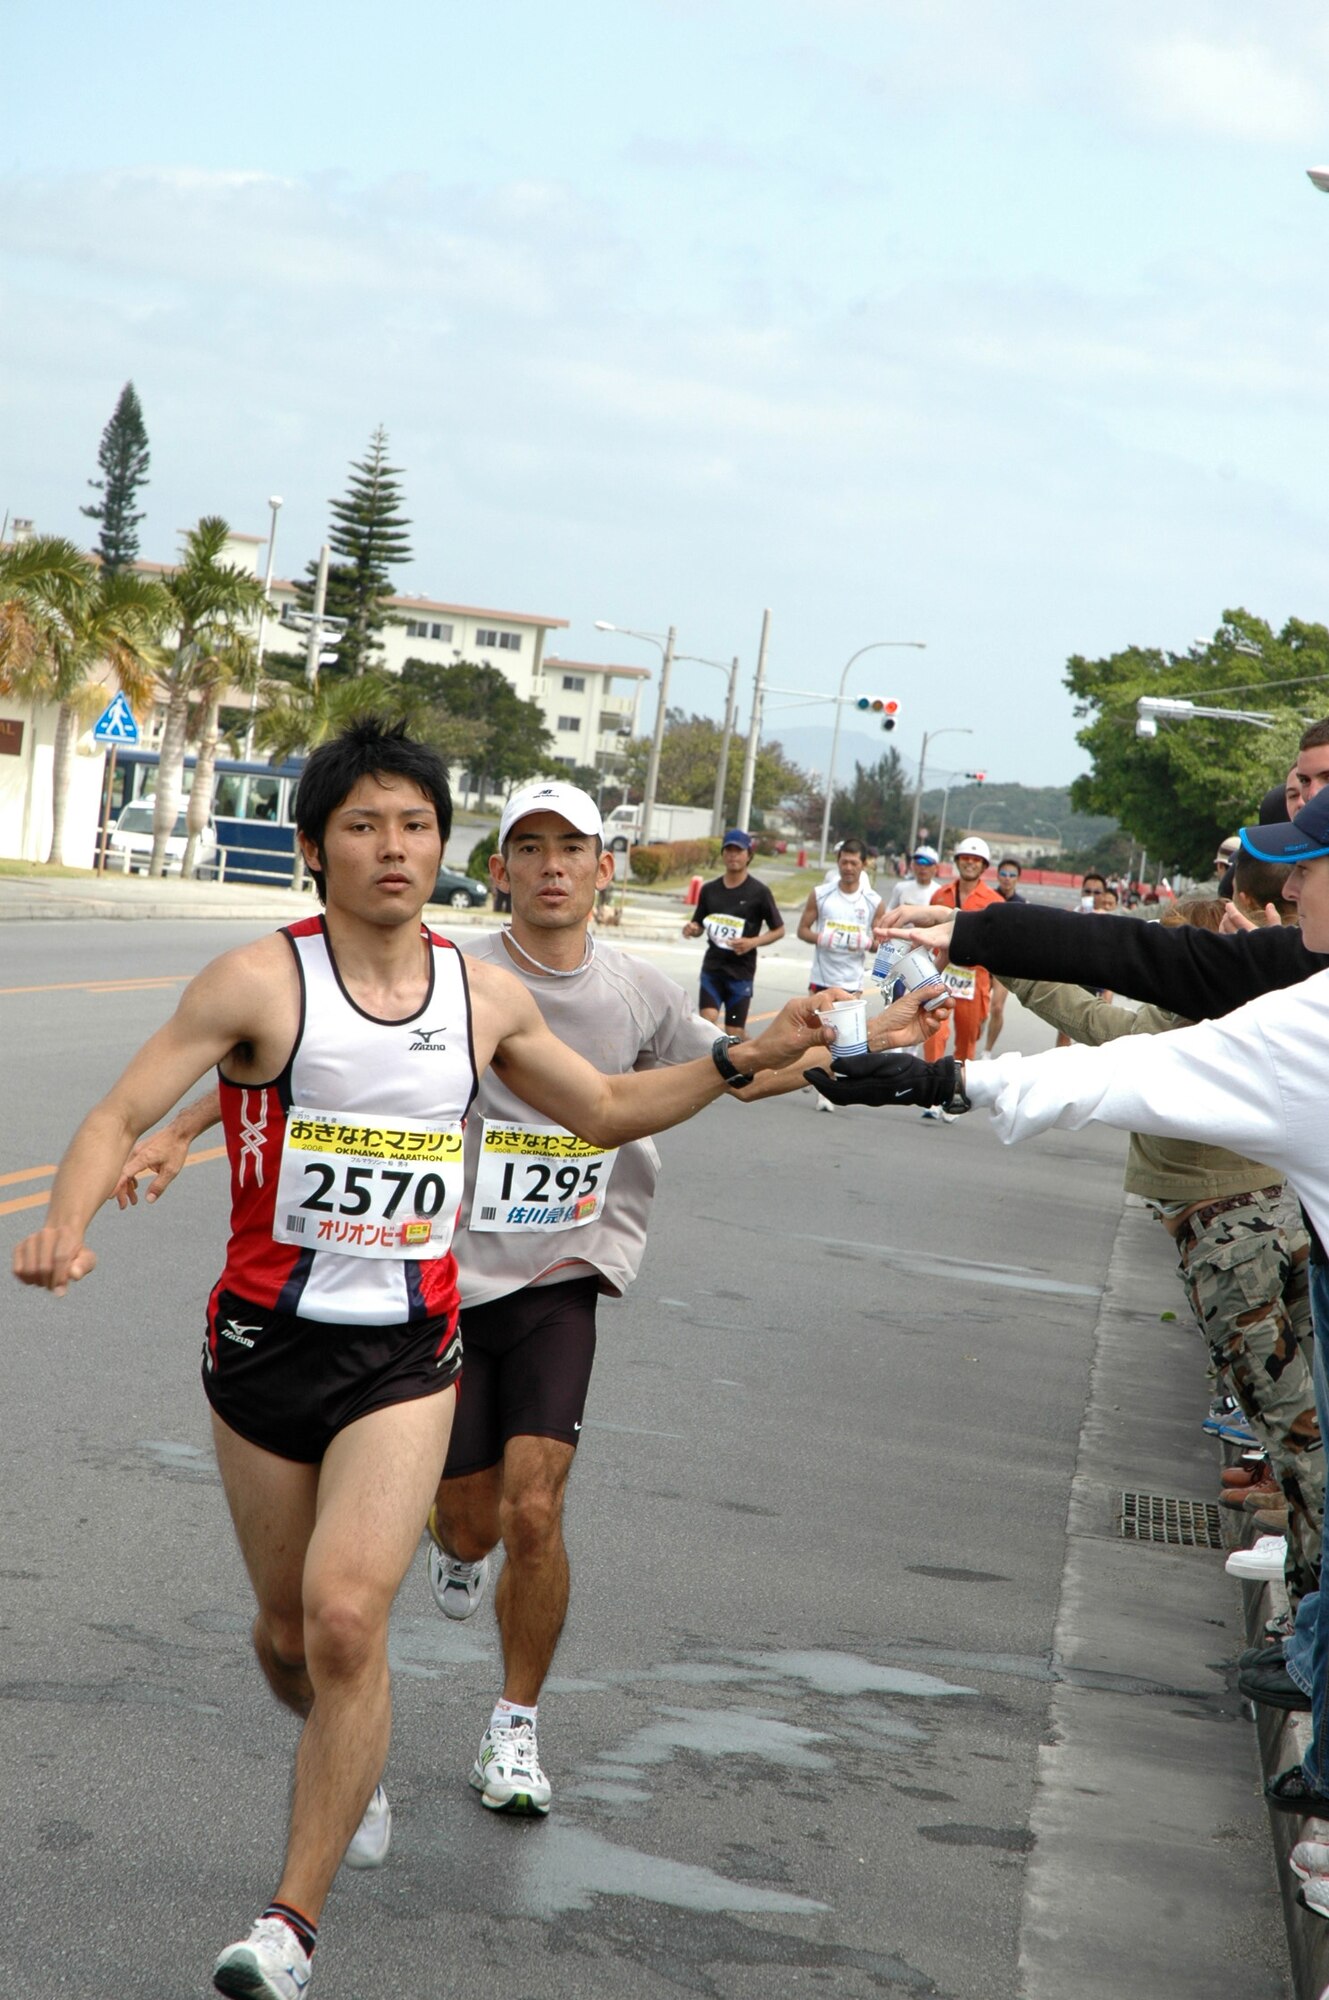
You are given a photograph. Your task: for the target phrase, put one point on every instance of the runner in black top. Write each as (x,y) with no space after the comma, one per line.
(732,911)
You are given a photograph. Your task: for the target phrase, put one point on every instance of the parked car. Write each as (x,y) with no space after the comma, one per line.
(459,892)
(130,844)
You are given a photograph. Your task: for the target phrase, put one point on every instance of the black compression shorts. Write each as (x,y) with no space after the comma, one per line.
(528,1368)
(290,1384)
(728,989)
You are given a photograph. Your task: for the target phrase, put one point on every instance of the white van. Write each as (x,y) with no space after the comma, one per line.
(130,845)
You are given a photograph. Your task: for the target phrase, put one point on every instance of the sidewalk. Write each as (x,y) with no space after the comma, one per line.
(1155,1870)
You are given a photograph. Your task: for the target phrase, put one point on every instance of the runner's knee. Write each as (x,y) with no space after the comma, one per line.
(531,1521)
(343,1627)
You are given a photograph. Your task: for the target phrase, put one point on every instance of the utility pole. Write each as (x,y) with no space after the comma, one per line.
(722,774)
(754,733)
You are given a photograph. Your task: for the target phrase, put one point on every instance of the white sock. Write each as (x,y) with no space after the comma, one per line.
(508,1714)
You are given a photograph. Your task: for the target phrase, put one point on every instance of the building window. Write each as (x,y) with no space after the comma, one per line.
(572,723)
(574,683)
(502,642)
(443,632)
(420,628)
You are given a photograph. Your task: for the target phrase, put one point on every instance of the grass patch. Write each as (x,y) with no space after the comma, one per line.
(45,870)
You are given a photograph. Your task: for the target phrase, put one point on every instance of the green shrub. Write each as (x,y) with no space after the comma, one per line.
(477,862)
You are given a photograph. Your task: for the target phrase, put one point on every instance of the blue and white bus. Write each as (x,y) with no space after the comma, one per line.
(253,806)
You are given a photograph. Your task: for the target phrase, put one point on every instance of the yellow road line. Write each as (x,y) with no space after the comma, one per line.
(33,1173)
(105,985)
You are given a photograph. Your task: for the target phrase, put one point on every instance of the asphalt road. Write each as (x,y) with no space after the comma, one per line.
(817,1527)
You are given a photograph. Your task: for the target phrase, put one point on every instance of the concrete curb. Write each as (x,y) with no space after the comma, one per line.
(1152,1871)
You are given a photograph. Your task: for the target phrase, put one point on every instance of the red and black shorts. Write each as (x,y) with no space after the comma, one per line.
(528,1368)
(290,1384)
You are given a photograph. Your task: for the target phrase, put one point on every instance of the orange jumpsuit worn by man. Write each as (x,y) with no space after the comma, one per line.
(971,986)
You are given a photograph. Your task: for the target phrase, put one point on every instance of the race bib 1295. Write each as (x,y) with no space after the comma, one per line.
(537,1178)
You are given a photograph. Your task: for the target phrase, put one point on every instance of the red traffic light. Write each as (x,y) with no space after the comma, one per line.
(881,705)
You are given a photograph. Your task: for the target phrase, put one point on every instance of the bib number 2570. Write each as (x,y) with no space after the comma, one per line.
(368,1186)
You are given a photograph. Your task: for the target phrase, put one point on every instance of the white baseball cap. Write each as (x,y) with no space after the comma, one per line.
(578,808)
(928,854)
(973,845)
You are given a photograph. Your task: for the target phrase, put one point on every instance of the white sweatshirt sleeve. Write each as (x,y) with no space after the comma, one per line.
(1218,1082)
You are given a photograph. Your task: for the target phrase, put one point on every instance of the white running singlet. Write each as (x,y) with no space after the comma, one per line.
(346,1170)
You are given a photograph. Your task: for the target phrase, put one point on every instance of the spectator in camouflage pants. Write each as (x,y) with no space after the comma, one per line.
(1245,1270)
(1242,1254)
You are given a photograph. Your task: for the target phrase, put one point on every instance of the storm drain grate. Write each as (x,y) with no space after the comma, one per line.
(1154,1517)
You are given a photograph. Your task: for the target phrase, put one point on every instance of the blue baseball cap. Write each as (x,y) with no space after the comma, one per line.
(737,838)
(1300,839)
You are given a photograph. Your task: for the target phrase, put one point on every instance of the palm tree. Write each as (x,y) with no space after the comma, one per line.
(212,604)
(60,621)
(234,664)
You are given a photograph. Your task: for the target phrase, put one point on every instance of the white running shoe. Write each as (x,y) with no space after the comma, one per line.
(1313,1895)
(507,1773)
(1309,1857)
(373,1837)
(457,1586)
(1262,1562)
(270,1964)
(823,1103)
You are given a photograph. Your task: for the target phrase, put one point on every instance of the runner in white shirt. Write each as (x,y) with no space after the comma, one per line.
(837,921)
(918,885)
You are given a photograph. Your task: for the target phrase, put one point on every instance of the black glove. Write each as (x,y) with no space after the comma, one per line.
(891,1078)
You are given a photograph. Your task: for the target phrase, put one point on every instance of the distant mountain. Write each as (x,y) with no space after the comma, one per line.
(997,808)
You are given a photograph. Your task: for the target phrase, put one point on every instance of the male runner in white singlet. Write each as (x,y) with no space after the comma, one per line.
(349,1047)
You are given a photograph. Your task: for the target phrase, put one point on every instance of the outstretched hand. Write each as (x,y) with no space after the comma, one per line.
(893,1078)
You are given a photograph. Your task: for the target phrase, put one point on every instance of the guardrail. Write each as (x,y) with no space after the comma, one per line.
(130,860)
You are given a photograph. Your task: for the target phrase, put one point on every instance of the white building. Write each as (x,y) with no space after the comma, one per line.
(589,719)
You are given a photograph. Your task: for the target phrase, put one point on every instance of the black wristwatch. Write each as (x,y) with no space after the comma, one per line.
(720,1048)
(958,1101)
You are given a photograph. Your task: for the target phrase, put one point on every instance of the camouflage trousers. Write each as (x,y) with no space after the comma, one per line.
(1246,1276)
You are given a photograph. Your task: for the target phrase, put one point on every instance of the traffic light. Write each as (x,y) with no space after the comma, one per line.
(979,777)
(888,710)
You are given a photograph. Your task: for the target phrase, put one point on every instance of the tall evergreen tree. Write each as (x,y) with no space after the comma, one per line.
(124,460)
(367,538)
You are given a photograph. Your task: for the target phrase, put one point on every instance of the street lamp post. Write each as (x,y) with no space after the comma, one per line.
(274,505)
(874,646)
(929,737)
(666,649)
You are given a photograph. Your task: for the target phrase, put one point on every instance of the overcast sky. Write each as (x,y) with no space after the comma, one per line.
(998,327)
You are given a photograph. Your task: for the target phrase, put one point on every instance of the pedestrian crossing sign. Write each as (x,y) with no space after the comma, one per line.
(116,723)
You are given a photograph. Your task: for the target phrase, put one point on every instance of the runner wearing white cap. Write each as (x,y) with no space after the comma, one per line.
(917,886)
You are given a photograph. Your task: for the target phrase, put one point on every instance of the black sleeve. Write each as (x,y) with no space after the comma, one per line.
(772,913)
(1191,972)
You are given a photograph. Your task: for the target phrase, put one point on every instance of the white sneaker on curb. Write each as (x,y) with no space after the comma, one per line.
(1309,1857)
(270,1964)
(823,1103)
(1313,1895)
(507,1773)
(1262,1562)
(373,1837)
(457,1586)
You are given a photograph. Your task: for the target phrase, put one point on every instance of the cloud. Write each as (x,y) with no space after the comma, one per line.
(1234,90)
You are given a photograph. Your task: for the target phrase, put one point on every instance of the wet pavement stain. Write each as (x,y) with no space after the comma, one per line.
(845,1673)
(694,1953)
(1010,1839)
(720,1732)
(571,1866)
(944,1575)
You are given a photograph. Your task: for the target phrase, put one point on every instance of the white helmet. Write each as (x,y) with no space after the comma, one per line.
(971,844)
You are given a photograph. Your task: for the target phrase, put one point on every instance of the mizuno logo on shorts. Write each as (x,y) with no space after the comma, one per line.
(231,1330)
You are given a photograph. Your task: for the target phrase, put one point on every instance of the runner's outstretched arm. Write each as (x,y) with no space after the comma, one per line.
(163,1153)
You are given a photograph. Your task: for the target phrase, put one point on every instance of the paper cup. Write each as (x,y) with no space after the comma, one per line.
(849,1018)
(919,968)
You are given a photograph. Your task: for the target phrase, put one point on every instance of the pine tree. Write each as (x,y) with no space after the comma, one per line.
(368,534)
(123,458)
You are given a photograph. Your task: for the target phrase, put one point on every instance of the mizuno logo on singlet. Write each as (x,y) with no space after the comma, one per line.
(424,1041)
